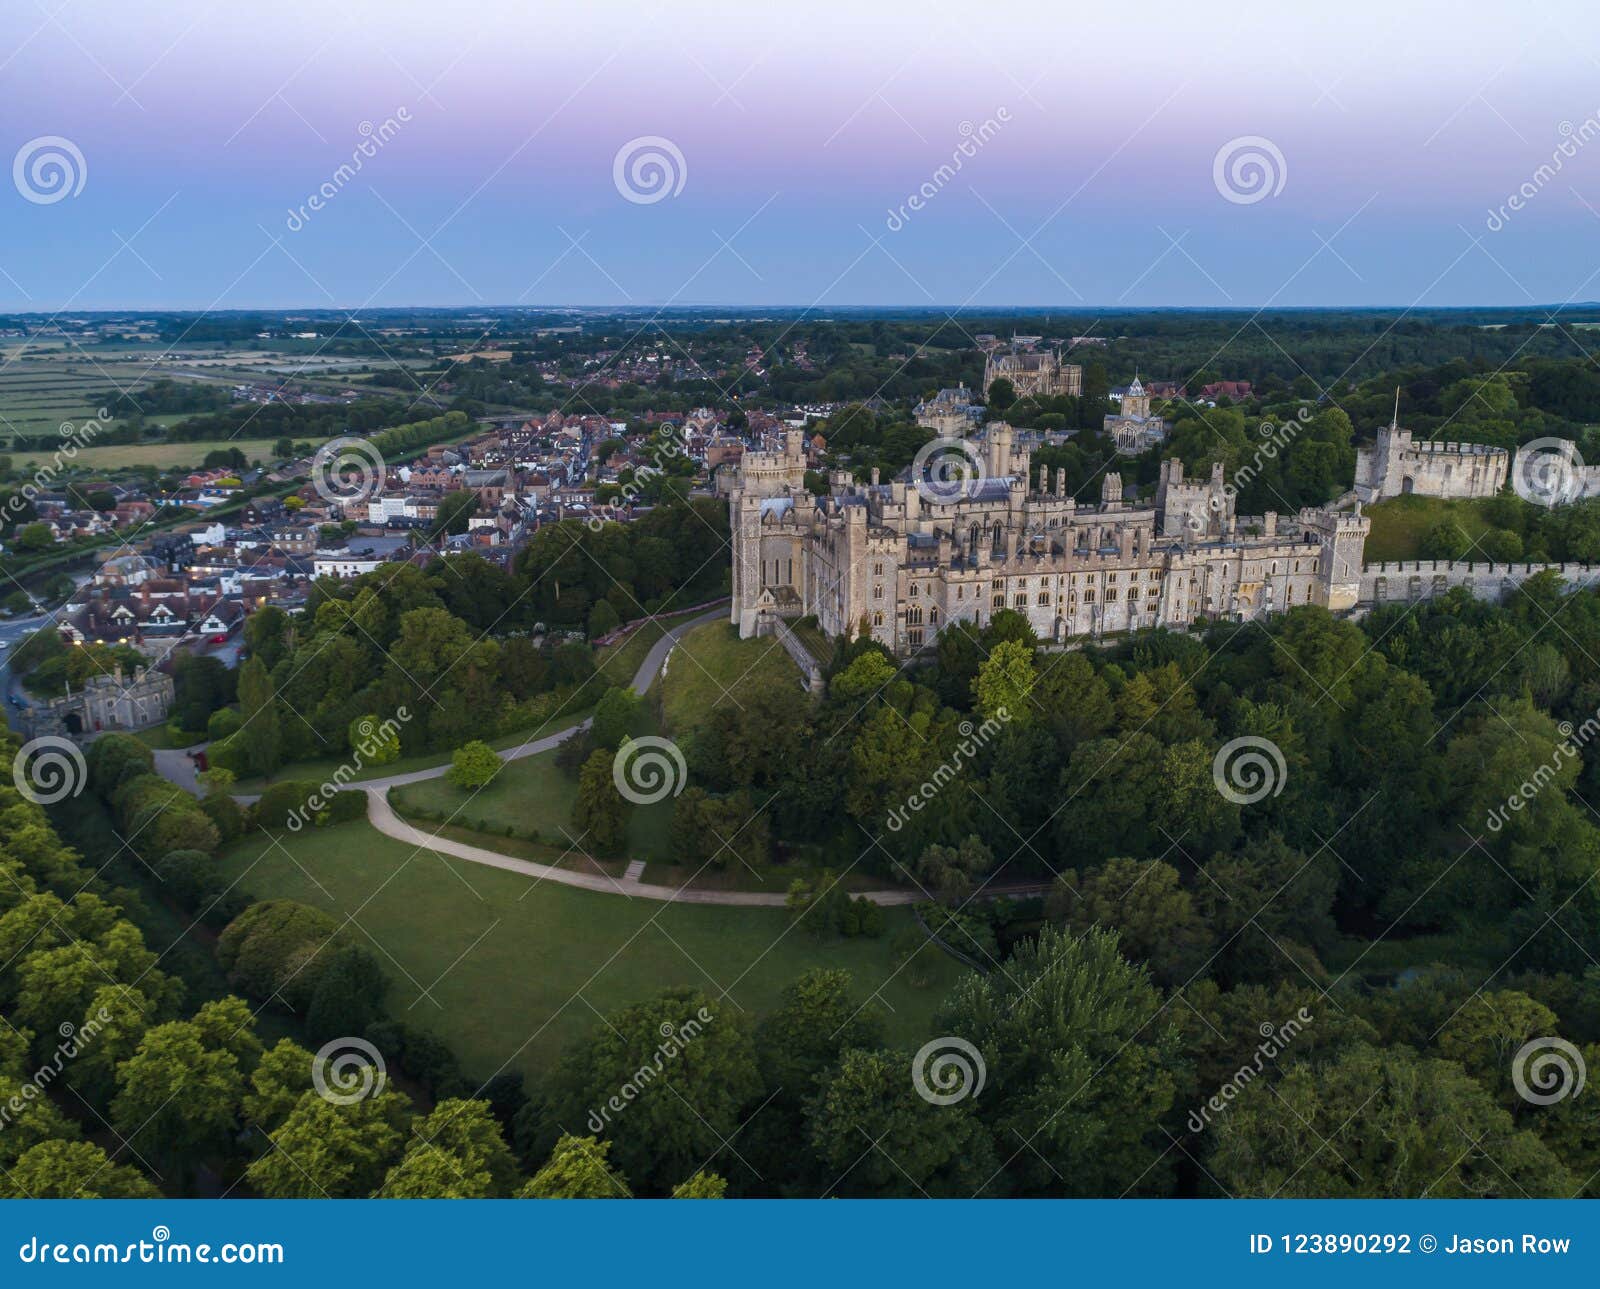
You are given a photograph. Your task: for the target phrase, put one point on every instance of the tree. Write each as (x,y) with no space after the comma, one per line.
(577,1169)
(599,812)
(455,508)
(816,1019)
(33,538)
(324,1150)
(461,1143)
(272,949)
(217,781)
(348,996)
(1378,1123)
(871,1129)
(1445,540)
(178,1099)
(279,1080)
(1001,394)
(377,741)
(259,737)
(1145,903)
(949,872)
(675,1074)
(473,765)
(72,1170)
(702,1186)
(614,716)
(1089,1065)
(1005,682)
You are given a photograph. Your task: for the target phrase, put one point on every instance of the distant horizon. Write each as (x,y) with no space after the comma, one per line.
(742,310)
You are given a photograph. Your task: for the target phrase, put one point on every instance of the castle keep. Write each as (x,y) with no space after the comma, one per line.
(901,561)
(1395,466)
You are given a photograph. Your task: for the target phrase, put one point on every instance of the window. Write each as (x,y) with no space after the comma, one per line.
(913,615)
(877,593)
(999,602)
(1044,597)
(1088,596)
(878,567)
(914,638)
(1020,600)
(877,619)
(1133,593)
(915,590)
(961,592)
(933,617)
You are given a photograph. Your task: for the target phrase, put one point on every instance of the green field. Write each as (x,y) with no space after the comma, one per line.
(1400,524)
(508,970)
(163,456)
(711,665)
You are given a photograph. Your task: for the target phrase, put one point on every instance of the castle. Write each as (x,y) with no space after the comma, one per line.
(902,560)
(1395,466)
(1031,373)
(1133,429)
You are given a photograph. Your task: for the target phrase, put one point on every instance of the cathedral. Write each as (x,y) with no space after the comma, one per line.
(903,559)
(1133,429)
(1030,373)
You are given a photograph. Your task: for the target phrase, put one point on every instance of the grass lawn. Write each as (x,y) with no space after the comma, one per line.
(711,665)
(508,970)
(1400,524)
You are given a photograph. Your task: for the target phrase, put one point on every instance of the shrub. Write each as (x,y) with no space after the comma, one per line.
(272,949)
(224,721)
(473,765)
(281,801)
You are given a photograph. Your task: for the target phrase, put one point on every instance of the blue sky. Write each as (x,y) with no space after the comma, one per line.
(367,154)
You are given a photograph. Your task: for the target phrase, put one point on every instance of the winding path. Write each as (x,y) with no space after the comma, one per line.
(175,765)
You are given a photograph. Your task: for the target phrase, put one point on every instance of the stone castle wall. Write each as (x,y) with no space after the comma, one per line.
(1407,581)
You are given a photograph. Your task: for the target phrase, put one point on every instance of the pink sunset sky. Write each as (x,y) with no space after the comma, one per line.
(1397,135)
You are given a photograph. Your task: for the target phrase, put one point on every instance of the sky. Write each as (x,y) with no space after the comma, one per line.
(183,154)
